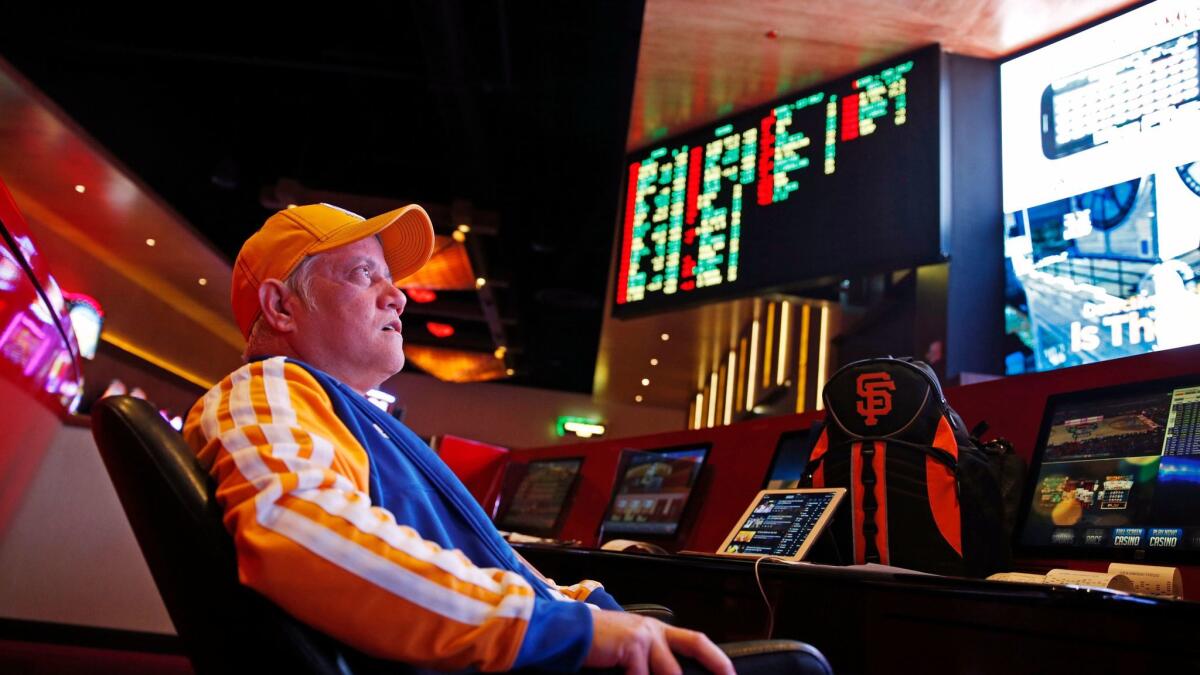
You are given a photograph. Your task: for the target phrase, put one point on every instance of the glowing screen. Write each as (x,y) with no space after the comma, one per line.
(1102,191)
(835,181)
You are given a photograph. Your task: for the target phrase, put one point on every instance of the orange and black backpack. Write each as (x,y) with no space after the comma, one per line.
(922,494)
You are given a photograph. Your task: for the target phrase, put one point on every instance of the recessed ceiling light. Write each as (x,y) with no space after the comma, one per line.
(202,281)
(458,236)
(638,398)
(665,337)
(645,382)
(500,352)
(150,242)
(654,362)
(480,282)
(509,372)
(464,228)
(80,189)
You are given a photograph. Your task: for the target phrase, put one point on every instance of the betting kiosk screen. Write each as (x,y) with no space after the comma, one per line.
(540,493)
(652,492)
(791,458)
(783,523)
(1116,475)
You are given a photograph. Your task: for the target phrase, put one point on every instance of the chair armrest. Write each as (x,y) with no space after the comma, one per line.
(653,611)
(771,656)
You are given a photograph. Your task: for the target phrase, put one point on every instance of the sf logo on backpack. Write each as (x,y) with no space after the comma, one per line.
(875,396)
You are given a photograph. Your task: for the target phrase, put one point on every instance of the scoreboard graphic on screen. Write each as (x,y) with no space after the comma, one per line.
(836,181)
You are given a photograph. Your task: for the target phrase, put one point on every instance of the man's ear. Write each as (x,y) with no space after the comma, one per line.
(275,300)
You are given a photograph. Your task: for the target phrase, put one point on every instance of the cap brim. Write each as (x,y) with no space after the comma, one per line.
(405,233)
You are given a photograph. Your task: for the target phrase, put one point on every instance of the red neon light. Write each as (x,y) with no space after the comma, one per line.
(627,238)
(439,330)
(421,295)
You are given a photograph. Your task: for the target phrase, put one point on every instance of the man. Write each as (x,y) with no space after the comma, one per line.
(339,513)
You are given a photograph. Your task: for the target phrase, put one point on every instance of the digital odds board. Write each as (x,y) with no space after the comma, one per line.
(841,180)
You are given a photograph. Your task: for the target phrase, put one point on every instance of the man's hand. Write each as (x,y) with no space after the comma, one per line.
(641,645)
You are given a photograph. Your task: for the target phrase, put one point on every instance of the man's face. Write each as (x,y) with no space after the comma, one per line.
(352,331)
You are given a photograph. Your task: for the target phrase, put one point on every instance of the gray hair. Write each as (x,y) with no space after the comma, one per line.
(298,281)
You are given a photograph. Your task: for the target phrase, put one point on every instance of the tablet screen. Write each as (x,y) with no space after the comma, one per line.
(782,523)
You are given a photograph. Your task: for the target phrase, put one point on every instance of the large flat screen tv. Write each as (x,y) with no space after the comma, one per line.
(1101,191)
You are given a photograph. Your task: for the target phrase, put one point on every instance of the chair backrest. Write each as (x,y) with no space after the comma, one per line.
(170,502)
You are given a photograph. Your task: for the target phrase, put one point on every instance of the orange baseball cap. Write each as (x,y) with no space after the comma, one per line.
(292,234)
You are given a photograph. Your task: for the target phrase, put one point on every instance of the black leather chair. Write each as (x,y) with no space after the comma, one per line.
(224,626)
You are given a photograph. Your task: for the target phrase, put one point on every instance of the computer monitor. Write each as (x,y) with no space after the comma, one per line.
(791,456)
(1116,475)
(537,494)
(653,490)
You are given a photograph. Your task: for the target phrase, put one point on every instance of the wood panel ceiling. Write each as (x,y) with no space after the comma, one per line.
(699,61)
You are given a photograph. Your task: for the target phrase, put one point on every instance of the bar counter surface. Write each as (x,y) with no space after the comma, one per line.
(885,621)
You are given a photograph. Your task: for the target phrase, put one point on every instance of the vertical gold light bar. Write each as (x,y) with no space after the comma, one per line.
(770,342)
(753,359)
(699,409)
(823,352)
(719,394)
(741,374)
(691,416)
(729,400)
(802,377)
(712,400)
(785,312)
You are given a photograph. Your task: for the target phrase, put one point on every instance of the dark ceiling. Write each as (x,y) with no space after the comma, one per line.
(519,108)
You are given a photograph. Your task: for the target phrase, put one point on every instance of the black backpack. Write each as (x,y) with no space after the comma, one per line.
(921,494)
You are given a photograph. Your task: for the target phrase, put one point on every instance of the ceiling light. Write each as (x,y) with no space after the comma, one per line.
(645,382)
(638,398)
(291,206)
(654,362)
(458,236)
(500,351)
(480,282)
(202,281)
(150,242)
(464,228)
(665,337)
(509,372)
(80,189)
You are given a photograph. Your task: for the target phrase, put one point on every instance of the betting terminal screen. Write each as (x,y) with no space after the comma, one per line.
(652,492)
(836,180)
(536,494)
(783,524)
(1117,474)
